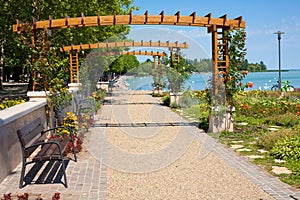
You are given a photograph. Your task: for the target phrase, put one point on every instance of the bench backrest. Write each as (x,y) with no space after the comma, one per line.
(30,133)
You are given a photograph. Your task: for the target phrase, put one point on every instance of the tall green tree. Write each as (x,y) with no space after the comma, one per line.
(123,64)
(14,53)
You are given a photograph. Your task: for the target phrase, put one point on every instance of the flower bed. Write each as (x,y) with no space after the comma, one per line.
(9,102)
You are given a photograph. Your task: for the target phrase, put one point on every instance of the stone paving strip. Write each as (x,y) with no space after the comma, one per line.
(166,158)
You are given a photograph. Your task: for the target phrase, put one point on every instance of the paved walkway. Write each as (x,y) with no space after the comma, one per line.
(139,149)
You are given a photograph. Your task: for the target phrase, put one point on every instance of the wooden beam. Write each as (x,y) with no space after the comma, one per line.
(115,19)
(162,14)
(212,29)
(82,19)
(194,17)
(146,17)
(225,18)
(140,53)
(209,18)
(130,17)
(178,16)
(125,44)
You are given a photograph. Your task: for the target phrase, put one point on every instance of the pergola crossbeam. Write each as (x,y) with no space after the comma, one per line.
(177,19)
(125,44)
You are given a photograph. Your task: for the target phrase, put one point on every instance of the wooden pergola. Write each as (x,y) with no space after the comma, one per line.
(216,26)
(74,49)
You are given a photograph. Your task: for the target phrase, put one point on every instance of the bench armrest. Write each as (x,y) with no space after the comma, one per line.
(62,127)
(43,143)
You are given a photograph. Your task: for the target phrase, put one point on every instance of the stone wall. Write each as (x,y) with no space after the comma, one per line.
(11,120)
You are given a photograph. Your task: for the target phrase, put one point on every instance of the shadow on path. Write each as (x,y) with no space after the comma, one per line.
(45,173)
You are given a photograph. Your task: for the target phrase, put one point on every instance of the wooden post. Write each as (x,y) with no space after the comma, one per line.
(77,68)
(71,74)
(154,57)
(34,83)
(178,55)
(215,70)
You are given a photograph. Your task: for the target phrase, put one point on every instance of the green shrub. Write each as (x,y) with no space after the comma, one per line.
(156,94)
(166,99)
(186,102)
(269,139)
(287,149)
(287,120)
(174,105)
(294,165)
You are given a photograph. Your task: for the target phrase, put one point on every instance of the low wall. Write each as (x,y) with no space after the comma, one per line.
(11,119)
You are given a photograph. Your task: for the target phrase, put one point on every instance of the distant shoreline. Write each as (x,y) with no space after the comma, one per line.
(276,70)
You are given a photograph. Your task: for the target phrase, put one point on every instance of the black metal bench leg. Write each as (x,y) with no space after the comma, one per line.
(74,151)
(22,175)
(65,175)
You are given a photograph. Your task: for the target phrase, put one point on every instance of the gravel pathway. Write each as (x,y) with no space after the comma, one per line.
(152,153)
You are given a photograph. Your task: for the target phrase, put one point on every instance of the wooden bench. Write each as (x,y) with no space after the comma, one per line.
(37,147)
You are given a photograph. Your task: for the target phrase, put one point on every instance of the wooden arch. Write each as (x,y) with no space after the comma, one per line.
(73,50)
(215,26)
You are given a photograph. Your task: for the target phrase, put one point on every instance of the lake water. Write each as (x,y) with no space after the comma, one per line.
(261,80)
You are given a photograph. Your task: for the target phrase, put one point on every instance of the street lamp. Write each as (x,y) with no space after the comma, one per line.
(279,38)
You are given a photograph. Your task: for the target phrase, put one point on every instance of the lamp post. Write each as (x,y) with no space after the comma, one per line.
(279,77)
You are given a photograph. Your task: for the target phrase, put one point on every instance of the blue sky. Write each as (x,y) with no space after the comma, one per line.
(263,18)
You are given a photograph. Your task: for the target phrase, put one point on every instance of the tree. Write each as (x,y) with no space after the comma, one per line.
(15,53)
(123,64)
(177,73)
(262,65)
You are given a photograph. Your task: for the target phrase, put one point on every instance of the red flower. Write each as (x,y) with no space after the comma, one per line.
(298,113)
(56,196)
(245,106)
(250,84)
(244,72)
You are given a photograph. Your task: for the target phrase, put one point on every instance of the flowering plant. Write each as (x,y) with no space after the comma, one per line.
(84,121)
(71,121)
(6,103)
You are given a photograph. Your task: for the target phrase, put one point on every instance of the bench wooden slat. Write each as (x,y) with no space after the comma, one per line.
(30,131)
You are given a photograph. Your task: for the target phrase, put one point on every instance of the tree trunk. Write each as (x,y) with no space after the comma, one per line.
(1,63)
